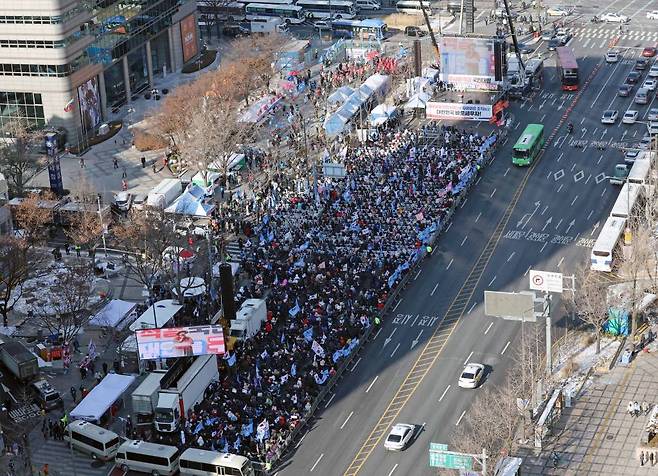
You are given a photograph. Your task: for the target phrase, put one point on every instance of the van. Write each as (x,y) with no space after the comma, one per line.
(145,457)
(92,439)
(368,4)
(642,96)
(45,395)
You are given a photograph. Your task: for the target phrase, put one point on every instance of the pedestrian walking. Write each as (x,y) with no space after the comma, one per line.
(77,250)
(153,165)
(651,458)
(74,393)
(642,458)
(645,408)
(104,368)
(143,159)
(67,249)
(124,174)
(115,163)
(124,185)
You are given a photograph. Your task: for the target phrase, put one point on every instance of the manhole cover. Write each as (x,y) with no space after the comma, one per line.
(610,437)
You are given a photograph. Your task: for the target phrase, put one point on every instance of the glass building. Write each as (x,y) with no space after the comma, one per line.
(70,63)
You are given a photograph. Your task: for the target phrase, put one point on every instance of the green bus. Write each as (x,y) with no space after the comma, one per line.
(529,144)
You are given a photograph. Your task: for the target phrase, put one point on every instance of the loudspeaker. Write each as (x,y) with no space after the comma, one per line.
(228,296)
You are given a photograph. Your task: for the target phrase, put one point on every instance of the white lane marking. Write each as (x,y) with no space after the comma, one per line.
(395,350)
(460,418)
(396,464)
(526,271)
(330,400)
(488,328)
(465,200)
(559,188)
(444,392)
(418,274)
(491,282)
(396,306)
(472,307)
(560,157)
(316,463)
(505,348)
(300,440)
(479,178)
(346,420)
(378,332)
(464,240)
(373,383)
(590,214)
(434,290)
(492,193)
(449,225)
(450,264)
(574,200)
(469,357)
(505,174)
(603,192)
(542,248)
(478,217)
(354,366)
(560,262)
(542,118)
(511,256)
(599,161)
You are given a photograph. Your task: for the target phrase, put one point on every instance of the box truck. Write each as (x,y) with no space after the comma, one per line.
(18,359)
(145,398)
(163,194)
(248,321)
(181,388)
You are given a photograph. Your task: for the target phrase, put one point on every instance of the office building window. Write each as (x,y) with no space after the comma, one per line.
(16,104)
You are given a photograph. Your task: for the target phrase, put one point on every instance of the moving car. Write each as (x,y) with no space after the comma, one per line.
(614,18)
(631,155)
(609,116)
(653,72)
(633,77)
(624,90)
(652,128)
(321,25)
(630,117)
(525,49)
(563,37)
(641,64)
(653,114)
(611,57)
(649,52)
(547,35)
(414,31)
(553,44)
(558,12)
(399,437)
(471,375)
(652,15)
(650,84)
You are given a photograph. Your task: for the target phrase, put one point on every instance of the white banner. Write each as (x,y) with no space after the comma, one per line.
(458,111)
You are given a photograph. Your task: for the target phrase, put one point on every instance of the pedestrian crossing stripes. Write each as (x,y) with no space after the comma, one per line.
(62,461)
(233,252)
(605,33)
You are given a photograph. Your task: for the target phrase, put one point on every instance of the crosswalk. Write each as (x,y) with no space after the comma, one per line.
(233,252)
(62,462)
(606,33)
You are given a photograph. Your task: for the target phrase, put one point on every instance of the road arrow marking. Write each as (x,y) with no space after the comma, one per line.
(389,338)
(415,341)
(548,222)
(571,223)
(596,225)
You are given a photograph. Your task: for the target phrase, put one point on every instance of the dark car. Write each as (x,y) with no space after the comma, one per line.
(633,77)
(414,31)
(554,43)
(235,31)
(547,35)
(641,64)
(625,90)
(525,49)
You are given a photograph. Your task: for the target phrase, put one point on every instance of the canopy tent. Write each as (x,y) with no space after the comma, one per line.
(156,316)
(417,101)
(259,109)
(234,162)
(114,314)
(430,73)
(381,114)
(102,397)
(191,202)
(205,180)
(191,287)
(334,124)
(340,95)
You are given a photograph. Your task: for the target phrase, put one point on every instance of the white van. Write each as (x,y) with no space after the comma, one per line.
(153,458)
(411,7)
(642,96)
(89,438)
(196,462)
(368,4)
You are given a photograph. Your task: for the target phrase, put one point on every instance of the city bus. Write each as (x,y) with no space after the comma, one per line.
(629,196)
(602,256)
(233,11)
(567,68)
(325,9)
(293,14)
(145,457)
(196,462)
(529,145)
(370,29)
(95,440)
(411,7)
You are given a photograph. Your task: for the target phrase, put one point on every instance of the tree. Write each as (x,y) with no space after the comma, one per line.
(18,162)
(14,270)
(84,225)
(590,302)
(69,301)
(33,216)
(216,7)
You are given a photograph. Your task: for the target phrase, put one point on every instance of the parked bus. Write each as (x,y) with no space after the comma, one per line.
(529,145)
(567,68)
(371,29)
(95,440)
(412,7)
(325,9)
(602,256)
(639,173)
(196,462)
(273,2)
(288,13)
(629,196)
(233,11)
(153,458)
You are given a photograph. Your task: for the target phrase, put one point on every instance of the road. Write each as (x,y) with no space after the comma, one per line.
(515,219)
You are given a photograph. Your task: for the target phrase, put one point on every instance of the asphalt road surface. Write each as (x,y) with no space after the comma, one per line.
(543,217)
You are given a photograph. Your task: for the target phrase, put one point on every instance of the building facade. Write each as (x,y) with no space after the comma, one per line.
(69,63)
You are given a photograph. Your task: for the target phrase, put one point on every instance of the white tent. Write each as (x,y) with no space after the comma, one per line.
(381,114)
(191,202)
(193,286)
(430,73)
(114,314)
(417,101)
(377,84)
(340,95)
(164,311)
(102,397)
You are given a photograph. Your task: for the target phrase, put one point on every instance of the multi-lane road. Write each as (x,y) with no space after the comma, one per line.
(545,217)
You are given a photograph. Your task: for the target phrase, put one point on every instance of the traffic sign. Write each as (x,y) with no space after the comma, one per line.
(450,460)
(546,281)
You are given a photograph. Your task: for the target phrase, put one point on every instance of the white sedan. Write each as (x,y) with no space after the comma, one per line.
(653,114)
(615,18)
(609,116)
(399,437)
(652,15)
(471,375)
(558,12)
(653,72)
(630,117)
(650,84)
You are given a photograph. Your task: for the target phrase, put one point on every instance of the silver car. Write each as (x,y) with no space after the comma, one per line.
(399,437)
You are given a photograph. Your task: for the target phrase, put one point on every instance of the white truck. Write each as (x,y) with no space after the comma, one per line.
(181,388)
(163,194)
(249,318)
(267,25)
(145,398)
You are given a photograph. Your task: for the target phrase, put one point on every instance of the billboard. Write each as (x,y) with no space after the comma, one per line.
(468,63)
(89,100)
(457,111)
(188,37)
(180,342)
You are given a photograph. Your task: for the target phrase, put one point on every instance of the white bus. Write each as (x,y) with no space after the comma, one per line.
(412,7)
(95,440)
(325,9)
(602,256)
(211,11)
(273,2)
(293,14)
(639,173)
(153,458)
(628,197)
(196,462)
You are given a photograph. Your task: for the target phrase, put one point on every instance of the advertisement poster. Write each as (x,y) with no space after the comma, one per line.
(89,100)
(188,38)
(458,111)
(468,62)
(180,342)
